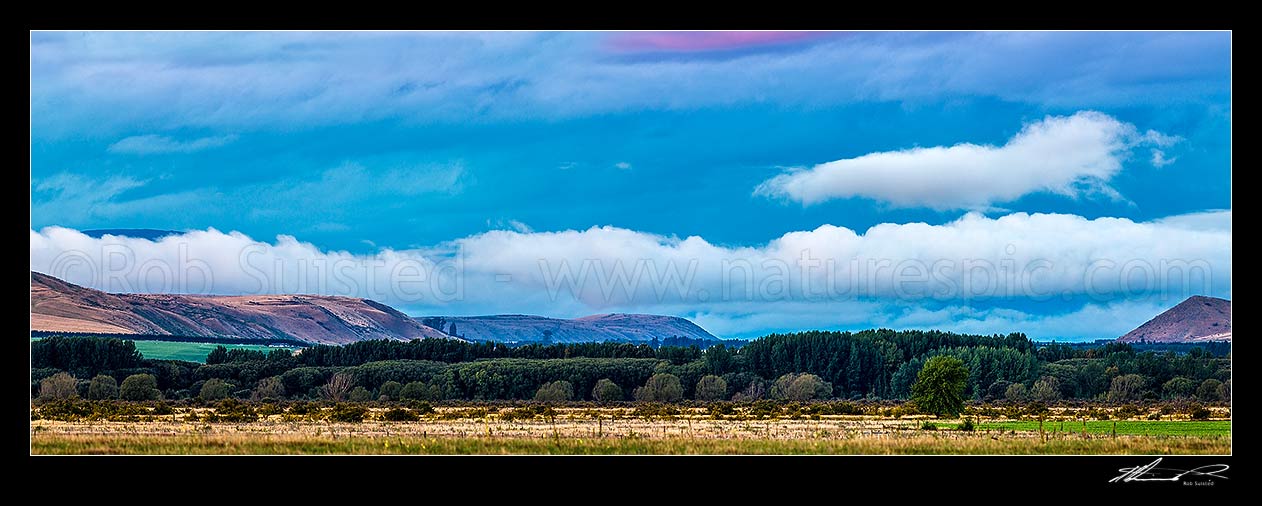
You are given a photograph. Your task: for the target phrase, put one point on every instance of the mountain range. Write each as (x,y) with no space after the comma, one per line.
(1196,319)
(619,327)
(59,306)
(65,307)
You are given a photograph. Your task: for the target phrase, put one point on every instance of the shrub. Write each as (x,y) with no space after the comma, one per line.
(232,411)
(1127,412)
(399,415)
(1199,412)
(420,407)
(927,425)
(347,413)
(967,425)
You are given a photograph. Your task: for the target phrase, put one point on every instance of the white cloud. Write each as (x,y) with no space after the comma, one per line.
(830,277)
(161,144)
(1073,156)
(623,165)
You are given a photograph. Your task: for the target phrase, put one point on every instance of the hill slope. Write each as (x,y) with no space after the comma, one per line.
(64,307)
(635,328)
(1198,318)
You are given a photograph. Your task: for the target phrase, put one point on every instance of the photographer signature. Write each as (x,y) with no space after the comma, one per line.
(1151,472)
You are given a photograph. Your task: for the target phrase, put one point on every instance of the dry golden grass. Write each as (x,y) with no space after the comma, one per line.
(585,434)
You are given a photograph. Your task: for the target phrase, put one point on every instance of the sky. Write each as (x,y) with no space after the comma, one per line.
(1068,185)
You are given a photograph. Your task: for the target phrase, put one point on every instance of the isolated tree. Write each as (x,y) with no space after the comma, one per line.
(451,331)
(556,391)
(214,389)
(1224,391)
(58,386)
(606,391)
(139,387)
(711,388)
(1178,387)
(103,387)
(1046,389)
(661,387)
(939,388)
(1209,391)
(337,387)
(1126,388)
(1017,392)
(390,391)
(269,388)
(359,394)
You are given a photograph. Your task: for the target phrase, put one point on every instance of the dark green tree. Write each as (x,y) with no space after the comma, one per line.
(939,388)
(214,389)
(711,388)
(606,391)
(103,387)
(1209,391)
(139,387)
(390,390)
(1127,388)
(556,391)
(269,388)
(661,387)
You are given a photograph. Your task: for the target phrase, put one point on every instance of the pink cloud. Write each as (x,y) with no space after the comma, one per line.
(694,42)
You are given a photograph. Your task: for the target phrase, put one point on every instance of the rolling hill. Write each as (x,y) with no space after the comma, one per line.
(1196,319)
(59,306)
(515,328)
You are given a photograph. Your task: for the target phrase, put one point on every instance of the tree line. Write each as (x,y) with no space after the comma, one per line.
(873,364)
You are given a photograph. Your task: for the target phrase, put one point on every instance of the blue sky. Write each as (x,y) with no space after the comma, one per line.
(365,145)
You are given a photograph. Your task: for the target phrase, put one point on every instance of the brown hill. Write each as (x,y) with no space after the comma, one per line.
(1196,319)
(59,306)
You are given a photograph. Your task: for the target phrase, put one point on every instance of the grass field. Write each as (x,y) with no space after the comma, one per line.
(192,352)
(1124,427)
(919,444)
(579,432)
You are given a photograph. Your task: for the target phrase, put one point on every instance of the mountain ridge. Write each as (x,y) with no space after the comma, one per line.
(617,327)
(57,305)
(1196,319)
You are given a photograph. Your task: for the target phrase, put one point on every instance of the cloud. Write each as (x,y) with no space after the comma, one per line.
(966,274)
(161,144)
(697,42)
(1067,155)
(622,165)
(325,198)
(107,82)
